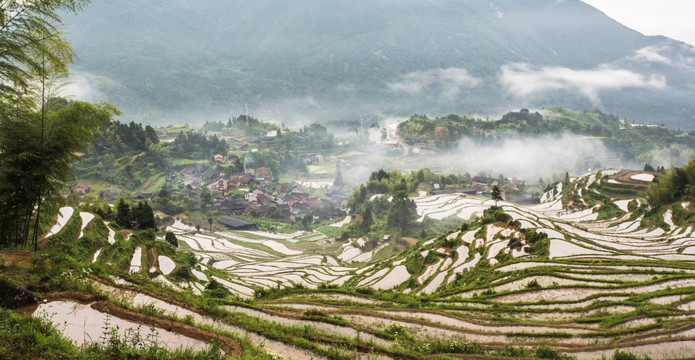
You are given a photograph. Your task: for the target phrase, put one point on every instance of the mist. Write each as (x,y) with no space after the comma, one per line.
(82,86)
(525,158)
(449,81)
(524,80)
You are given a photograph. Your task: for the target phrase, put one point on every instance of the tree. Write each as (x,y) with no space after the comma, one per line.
(338,178)
(142,216)
(306,222)
(496,194)
(38,137)
(367,219)
(197,228)
(124,218)
(205,197)
(29,38)
(210,222)
(32,169)
(274,212)
(170,238)
(402,211)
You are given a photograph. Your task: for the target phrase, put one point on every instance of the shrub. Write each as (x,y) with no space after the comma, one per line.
(626,355)
(549,352)
(216,290)
(171,239)
(533,284)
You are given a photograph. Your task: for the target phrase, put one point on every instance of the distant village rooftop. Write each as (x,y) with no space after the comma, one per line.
(236,224)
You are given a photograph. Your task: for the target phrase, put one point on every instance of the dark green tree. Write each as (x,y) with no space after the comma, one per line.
(496,194)
(170,238)
(367,218)
(124,218)
(402,211)
(205,198)
(142,216)
(35,167)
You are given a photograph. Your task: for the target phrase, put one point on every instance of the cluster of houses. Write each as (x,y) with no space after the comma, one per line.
(267,198)
(316,159)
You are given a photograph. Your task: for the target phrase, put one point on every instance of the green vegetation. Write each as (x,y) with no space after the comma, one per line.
(672,185)
(38,142)
(640,143)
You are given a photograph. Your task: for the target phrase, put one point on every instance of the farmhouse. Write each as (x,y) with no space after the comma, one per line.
(236,224)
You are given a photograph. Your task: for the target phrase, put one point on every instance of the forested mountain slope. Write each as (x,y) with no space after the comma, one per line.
(338,59)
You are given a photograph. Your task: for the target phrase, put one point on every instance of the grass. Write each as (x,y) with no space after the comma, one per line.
(156,182)
(330,231)
(185,162)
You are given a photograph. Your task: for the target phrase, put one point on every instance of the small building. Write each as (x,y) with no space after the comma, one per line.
(210,174)
(81,188)
(262,173)
(236,224)
(250,197)
(109,195)
(480,180)
(219,158)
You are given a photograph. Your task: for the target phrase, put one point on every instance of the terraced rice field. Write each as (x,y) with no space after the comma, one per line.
(602,285)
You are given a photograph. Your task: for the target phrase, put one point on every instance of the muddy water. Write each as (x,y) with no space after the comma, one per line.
(493,328)
(84,325)
(139,299)
(665,350)
(320,326)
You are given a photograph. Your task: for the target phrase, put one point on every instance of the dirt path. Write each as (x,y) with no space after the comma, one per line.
(21,258)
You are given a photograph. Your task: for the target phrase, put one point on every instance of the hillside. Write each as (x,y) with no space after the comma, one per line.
(163,61)
(522,282)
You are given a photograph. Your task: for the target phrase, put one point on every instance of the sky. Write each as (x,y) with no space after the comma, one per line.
(672,18)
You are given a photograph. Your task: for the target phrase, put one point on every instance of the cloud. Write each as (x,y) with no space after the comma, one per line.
(524,80)
(498,11)
(650,54)
(82,86)
(523,157)
(451,81)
